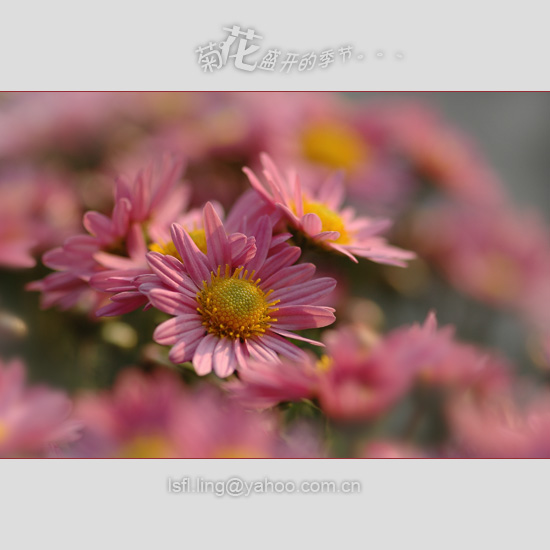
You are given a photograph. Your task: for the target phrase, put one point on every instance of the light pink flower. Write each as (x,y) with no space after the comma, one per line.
(106,260)
(241,299)
(347,384)
(318,214)
(500,427)
(440,153)
(498,255)
(33,420)
(323,132)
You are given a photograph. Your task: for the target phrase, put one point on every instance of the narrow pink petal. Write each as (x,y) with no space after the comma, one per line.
(182,327)
(171,302)
(275,263)
(194,261)
(343,250)
(257,185)
(203,357)
(112,261)
(183,350)
(136,245)
(327,236)
(98,225)
(224,358)
(121,217)
(259,351)
(294,336)
(304,317)
(241,353)
(282,346)
(217,243)
(305,293)
(170,271)
(288,276)
(263,239)
(311,224)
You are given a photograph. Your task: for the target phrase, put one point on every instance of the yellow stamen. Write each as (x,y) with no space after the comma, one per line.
(232,305)
(3,431)
(334,145)
(169,249)
(325,363)
(330,220)
(146,446)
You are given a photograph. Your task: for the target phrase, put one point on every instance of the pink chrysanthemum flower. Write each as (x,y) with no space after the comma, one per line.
(241,299)
(318,214)
(116,246)
(156,416)
(32,420)
(358,379)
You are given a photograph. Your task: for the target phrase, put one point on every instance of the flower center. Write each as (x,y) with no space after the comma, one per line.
(330,220)
(234,306)
(145,446)
(334,145)
(169,249)
(3,431)
(325,363)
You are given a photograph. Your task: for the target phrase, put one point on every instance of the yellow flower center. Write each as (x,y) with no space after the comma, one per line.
(238,452)
(325,363)
(3,431)
(334,145)
(234,306)
(330,220)
(146,446)
(499,277)
(169,249)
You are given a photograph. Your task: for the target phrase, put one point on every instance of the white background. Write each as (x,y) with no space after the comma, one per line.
(105,45)
(114,44)
(427,504)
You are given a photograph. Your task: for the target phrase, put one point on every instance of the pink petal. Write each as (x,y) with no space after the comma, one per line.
(186,327)
(202,360)
(217,244)
(282,346)
(305,293)
(311,224)
(224,358)
(98,225)
(173,303)
(194,261)
(304,317)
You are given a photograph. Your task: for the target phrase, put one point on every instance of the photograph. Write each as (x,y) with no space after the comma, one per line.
(274,275)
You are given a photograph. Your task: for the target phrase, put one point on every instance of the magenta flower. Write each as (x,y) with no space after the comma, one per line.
(241,299)
(32,420)
(156,416)
(318,214)
(105,261)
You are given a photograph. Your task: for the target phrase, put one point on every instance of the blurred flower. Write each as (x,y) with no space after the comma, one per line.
(115,248)
(359,378)
(33,420)
(38,209)
(500,256)
(321,133)
(440,153)
(319,215)
(156,416)
(225,301)
(500,427)
(391,449)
